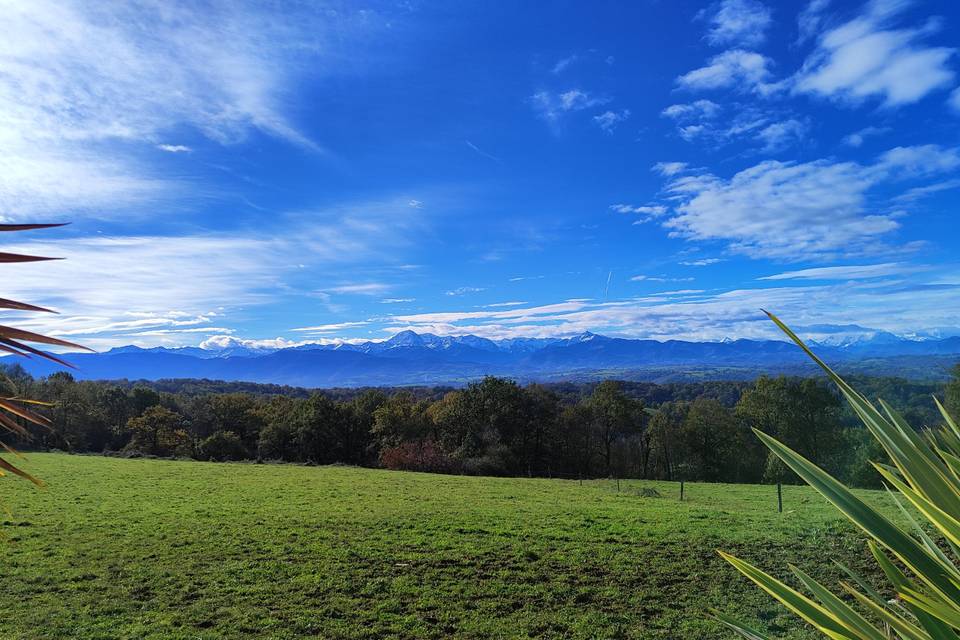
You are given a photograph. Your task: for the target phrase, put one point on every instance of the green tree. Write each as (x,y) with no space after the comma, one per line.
(401,418)
(222,446)
(952,395)
(615,416)
(666,442)
(318,423)
(804,414)
(158,431)
(713,441)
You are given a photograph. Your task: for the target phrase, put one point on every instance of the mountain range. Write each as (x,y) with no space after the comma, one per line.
(409,358)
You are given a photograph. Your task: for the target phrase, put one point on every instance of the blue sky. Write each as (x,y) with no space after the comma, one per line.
(313,172)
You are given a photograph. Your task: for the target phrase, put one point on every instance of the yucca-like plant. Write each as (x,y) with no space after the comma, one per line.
(924,471)
(14,409)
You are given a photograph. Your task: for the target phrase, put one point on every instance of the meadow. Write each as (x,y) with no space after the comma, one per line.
(142,548)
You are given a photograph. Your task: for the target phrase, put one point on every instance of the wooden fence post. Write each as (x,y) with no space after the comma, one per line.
(681,490)
(779,499)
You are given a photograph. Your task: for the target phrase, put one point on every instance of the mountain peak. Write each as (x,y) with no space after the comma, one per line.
(406,338)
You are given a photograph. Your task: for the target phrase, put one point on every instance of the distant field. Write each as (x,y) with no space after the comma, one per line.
(157,549)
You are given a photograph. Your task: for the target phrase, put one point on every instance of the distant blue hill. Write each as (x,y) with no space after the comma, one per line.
(409,358)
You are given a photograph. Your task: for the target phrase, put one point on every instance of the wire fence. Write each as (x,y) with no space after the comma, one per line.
(678,489)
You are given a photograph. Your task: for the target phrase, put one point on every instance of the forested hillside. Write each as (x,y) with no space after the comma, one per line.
(691,431)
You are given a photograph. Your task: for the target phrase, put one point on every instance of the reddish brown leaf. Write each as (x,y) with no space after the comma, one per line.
(12,426)
(25,413)
(23,474)
(12,450)
(36,352)
(29,227)
(19,257)
(29,336)
(21,306)
(13,351)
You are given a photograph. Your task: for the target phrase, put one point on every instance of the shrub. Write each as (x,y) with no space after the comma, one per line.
(925,471)
(222,446)
(420,455)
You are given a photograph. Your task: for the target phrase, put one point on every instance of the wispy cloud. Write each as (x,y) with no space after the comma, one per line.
(791,211)
(81,84)
(608,120)
(174,148)
(745,70)
(700,315)
(810,19)
(645,212)
(551,107)
(361,288)
(737,22)
(110,285)
(954,101)
(868,57)
(780,135)
(696,111)
(702,262)
(857,138)
(669,168)
(483,153)
(851,272)
(461,291)
(329,328)
(563,63)
(646,278)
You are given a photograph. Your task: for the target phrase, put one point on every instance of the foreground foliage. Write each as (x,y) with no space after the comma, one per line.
(138,548)
(14,409)
(919,561)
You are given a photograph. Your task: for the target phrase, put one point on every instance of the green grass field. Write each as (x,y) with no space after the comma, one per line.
(118,548)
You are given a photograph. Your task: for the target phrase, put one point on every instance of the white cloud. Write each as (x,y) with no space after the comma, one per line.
(920,160)
(460,291)
(362,289)
(646,211)
(857,138)
(563,63)
(645,278)
(780,135)
(82,83)
(108,286)
(772,128)
(955,100)
(482,152)
(702,262)
(738,22)
(921,192)
(698,315)
(787,210)
(851,272)
(745,70)
(174,148)
(219,342)
(868,58)
(396,300)
(669,168)
(551,107)
(608,120)
(810,19)
(496,305)
(328,328)
(697,110)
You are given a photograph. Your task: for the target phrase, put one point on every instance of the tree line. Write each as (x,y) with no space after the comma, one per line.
(690,431)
